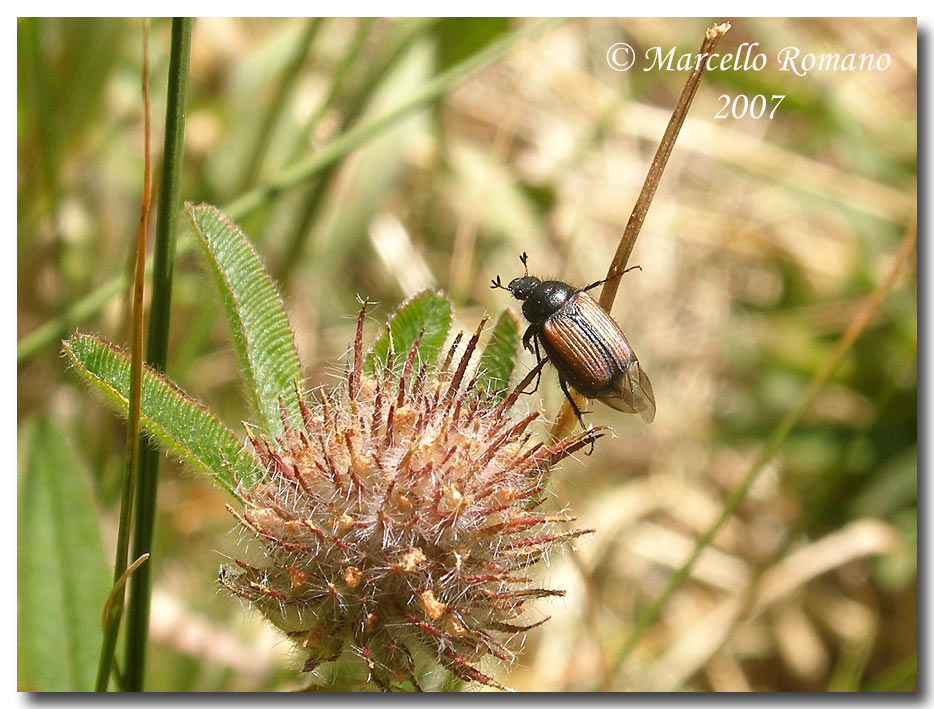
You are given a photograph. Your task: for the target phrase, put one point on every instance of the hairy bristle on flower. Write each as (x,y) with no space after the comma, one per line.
(399,517)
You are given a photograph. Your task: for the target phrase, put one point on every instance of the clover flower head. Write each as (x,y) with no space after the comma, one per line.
(400,520)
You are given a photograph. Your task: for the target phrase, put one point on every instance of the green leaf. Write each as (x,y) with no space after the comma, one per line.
(62,576)
(261,334)
(461,37)
(428,313)
(180,423)
(499,358)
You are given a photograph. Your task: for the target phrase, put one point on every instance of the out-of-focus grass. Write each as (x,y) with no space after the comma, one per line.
(763,239)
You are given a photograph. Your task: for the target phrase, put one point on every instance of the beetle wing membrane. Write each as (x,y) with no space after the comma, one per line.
(584,343)
(633,393)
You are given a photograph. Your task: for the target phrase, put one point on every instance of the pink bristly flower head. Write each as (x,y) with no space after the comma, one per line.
(402,515)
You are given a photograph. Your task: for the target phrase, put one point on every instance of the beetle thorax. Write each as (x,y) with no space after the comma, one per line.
(546,299)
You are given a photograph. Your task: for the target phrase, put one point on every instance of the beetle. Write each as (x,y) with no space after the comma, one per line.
(583,342)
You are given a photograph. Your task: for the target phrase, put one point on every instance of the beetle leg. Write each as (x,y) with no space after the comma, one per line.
(527,341)
(527,337)
(577,411)
(567,394)
(538,362)
(600,283)
(593,285)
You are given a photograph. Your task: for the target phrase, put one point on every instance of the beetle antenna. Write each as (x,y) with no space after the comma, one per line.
(525,262)
(496,283)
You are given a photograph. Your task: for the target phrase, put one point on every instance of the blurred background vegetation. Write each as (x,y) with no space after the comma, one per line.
(764,239)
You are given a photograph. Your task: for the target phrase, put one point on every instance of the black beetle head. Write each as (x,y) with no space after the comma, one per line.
(522,287)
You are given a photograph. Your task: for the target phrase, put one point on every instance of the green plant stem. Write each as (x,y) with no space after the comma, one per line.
(80,310)
(357,136)
(287,81)
(302,170)
(785,426)
(337,77)
(157,350)
(113,611)
(898,678)
(48,157)
(315,193)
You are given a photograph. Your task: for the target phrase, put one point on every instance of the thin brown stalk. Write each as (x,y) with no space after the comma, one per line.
(565,419)
(114,612)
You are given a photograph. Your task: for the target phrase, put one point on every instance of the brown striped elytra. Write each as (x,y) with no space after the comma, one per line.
(583,342)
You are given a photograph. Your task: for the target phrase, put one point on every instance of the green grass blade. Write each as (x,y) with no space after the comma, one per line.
(428,313)
(499,358)
(179,422)
(358,135)
(288,177)
(901,677)
(461,37)
(314,195)
(79,311)
(856,327)
(261,333)
(62,575)
(286,84)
